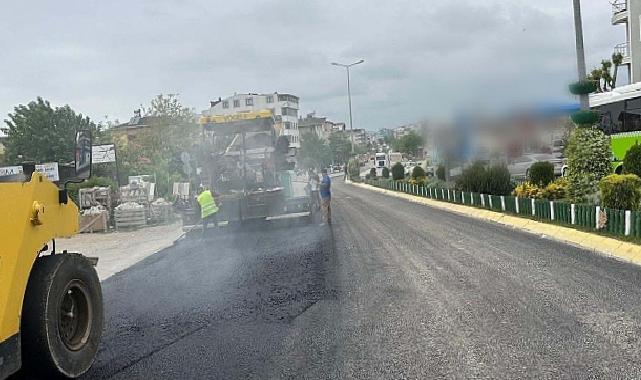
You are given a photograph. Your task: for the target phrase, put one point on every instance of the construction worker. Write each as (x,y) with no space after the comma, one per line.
(326,197)
(208,207)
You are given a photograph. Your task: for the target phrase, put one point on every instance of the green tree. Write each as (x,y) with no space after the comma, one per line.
(314,152)
(170,108)
(408,143)
(340,147)
(157,149)
(588,154)
(597,75)
(617,60)
(606,75)
(38,132)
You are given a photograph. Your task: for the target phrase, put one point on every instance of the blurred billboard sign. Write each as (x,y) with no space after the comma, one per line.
(10,170)
(50,170)
(103,153)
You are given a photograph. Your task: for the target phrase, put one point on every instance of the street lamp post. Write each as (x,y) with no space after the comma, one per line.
(580,52)
(349,97)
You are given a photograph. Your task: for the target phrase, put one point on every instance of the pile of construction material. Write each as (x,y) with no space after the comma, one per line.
(160,211)
(95,209)
(94,219)
(95,196)
(130,215)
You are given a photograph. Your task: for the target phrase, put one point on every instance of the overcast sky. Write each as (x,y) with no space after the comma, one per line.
(423,58)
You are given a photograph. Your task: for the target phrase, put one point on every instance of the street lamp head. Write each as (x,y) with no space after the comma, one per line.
(336,64)
(361,61)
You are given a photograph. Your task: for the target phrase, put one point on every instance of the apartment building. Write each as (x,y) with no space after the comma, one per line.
(284,107)
(317,125)
(628,13)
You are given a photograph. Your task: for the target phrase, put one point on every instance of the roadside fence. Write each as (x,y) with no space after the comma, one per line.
(616,222)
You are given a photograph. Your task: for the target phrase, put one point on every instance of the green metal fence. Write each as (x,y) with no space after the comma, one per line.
(616,222)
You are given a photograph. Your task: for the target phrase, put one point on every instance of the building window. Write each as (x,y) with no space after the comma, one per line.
(225,104)
(236,103)
(287,98)
(270,99)
(288,111)
(249,101)
(287,125)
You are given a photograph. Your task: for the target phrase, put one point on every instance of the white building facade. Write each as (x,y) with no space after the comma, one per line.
(283,106)
(628,13)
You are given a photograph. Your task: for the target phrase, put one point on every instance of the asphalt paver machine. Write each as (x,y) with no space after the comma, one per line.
(245,165)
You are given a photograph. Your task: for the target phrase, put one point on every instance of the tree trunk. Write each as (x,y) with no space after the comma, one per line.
(614,77)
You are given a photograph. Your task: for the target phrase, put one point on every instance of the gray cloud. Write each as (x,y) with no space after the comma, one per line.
(423,58)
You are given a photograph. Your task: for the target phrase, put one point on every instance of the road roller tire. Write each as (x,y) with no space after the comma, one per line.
(62,317)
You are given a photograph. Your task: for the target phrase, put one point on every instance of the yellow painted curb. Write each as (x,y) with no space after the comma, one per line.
(626,251)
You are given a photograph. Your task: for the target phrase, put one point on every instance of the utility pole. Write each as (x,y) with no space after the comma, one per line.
(580,52)
(349,97)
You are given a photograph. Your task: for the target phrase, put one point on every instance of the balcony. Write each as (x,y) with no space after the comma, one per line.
(623,49)
(619,12)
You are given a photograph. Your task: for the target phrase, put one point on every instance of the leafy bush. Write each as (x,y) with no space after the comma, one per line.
(555,190)
(385,173)
(632,160)
(368,176)
(435,184)
(588,153)
(420,181)
(440,172)
(541,173)
(499,181)
(418,174)
(527,190)
(494,180)
(473,178)
(372,173)
(398,171)
(621,192)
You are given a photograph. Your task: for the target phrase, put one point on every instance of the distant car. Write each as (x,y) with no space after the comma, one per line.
(520,167)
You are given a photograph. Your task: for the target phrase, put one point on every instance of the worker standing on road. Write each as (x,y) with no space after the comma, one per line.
(314,182)
(208,208)
(326,197)
(345,171)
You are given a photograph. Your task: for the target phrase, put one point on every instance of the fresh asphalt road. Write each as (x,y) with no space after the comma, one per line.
(392,290)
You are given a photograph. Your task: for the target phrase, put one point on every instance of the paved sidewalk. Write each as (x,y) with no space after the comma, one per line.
(120,250)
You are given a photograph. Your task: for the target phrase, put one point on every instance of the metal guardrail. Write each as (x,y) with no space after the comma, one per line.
(623,49)
(619,6)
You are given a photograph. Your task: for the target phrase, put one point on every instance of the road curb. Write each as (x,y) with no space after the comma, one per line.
(618,249)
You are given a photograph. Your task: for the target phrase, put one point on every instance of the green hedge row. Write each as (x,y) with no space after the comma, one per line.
(543,210)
